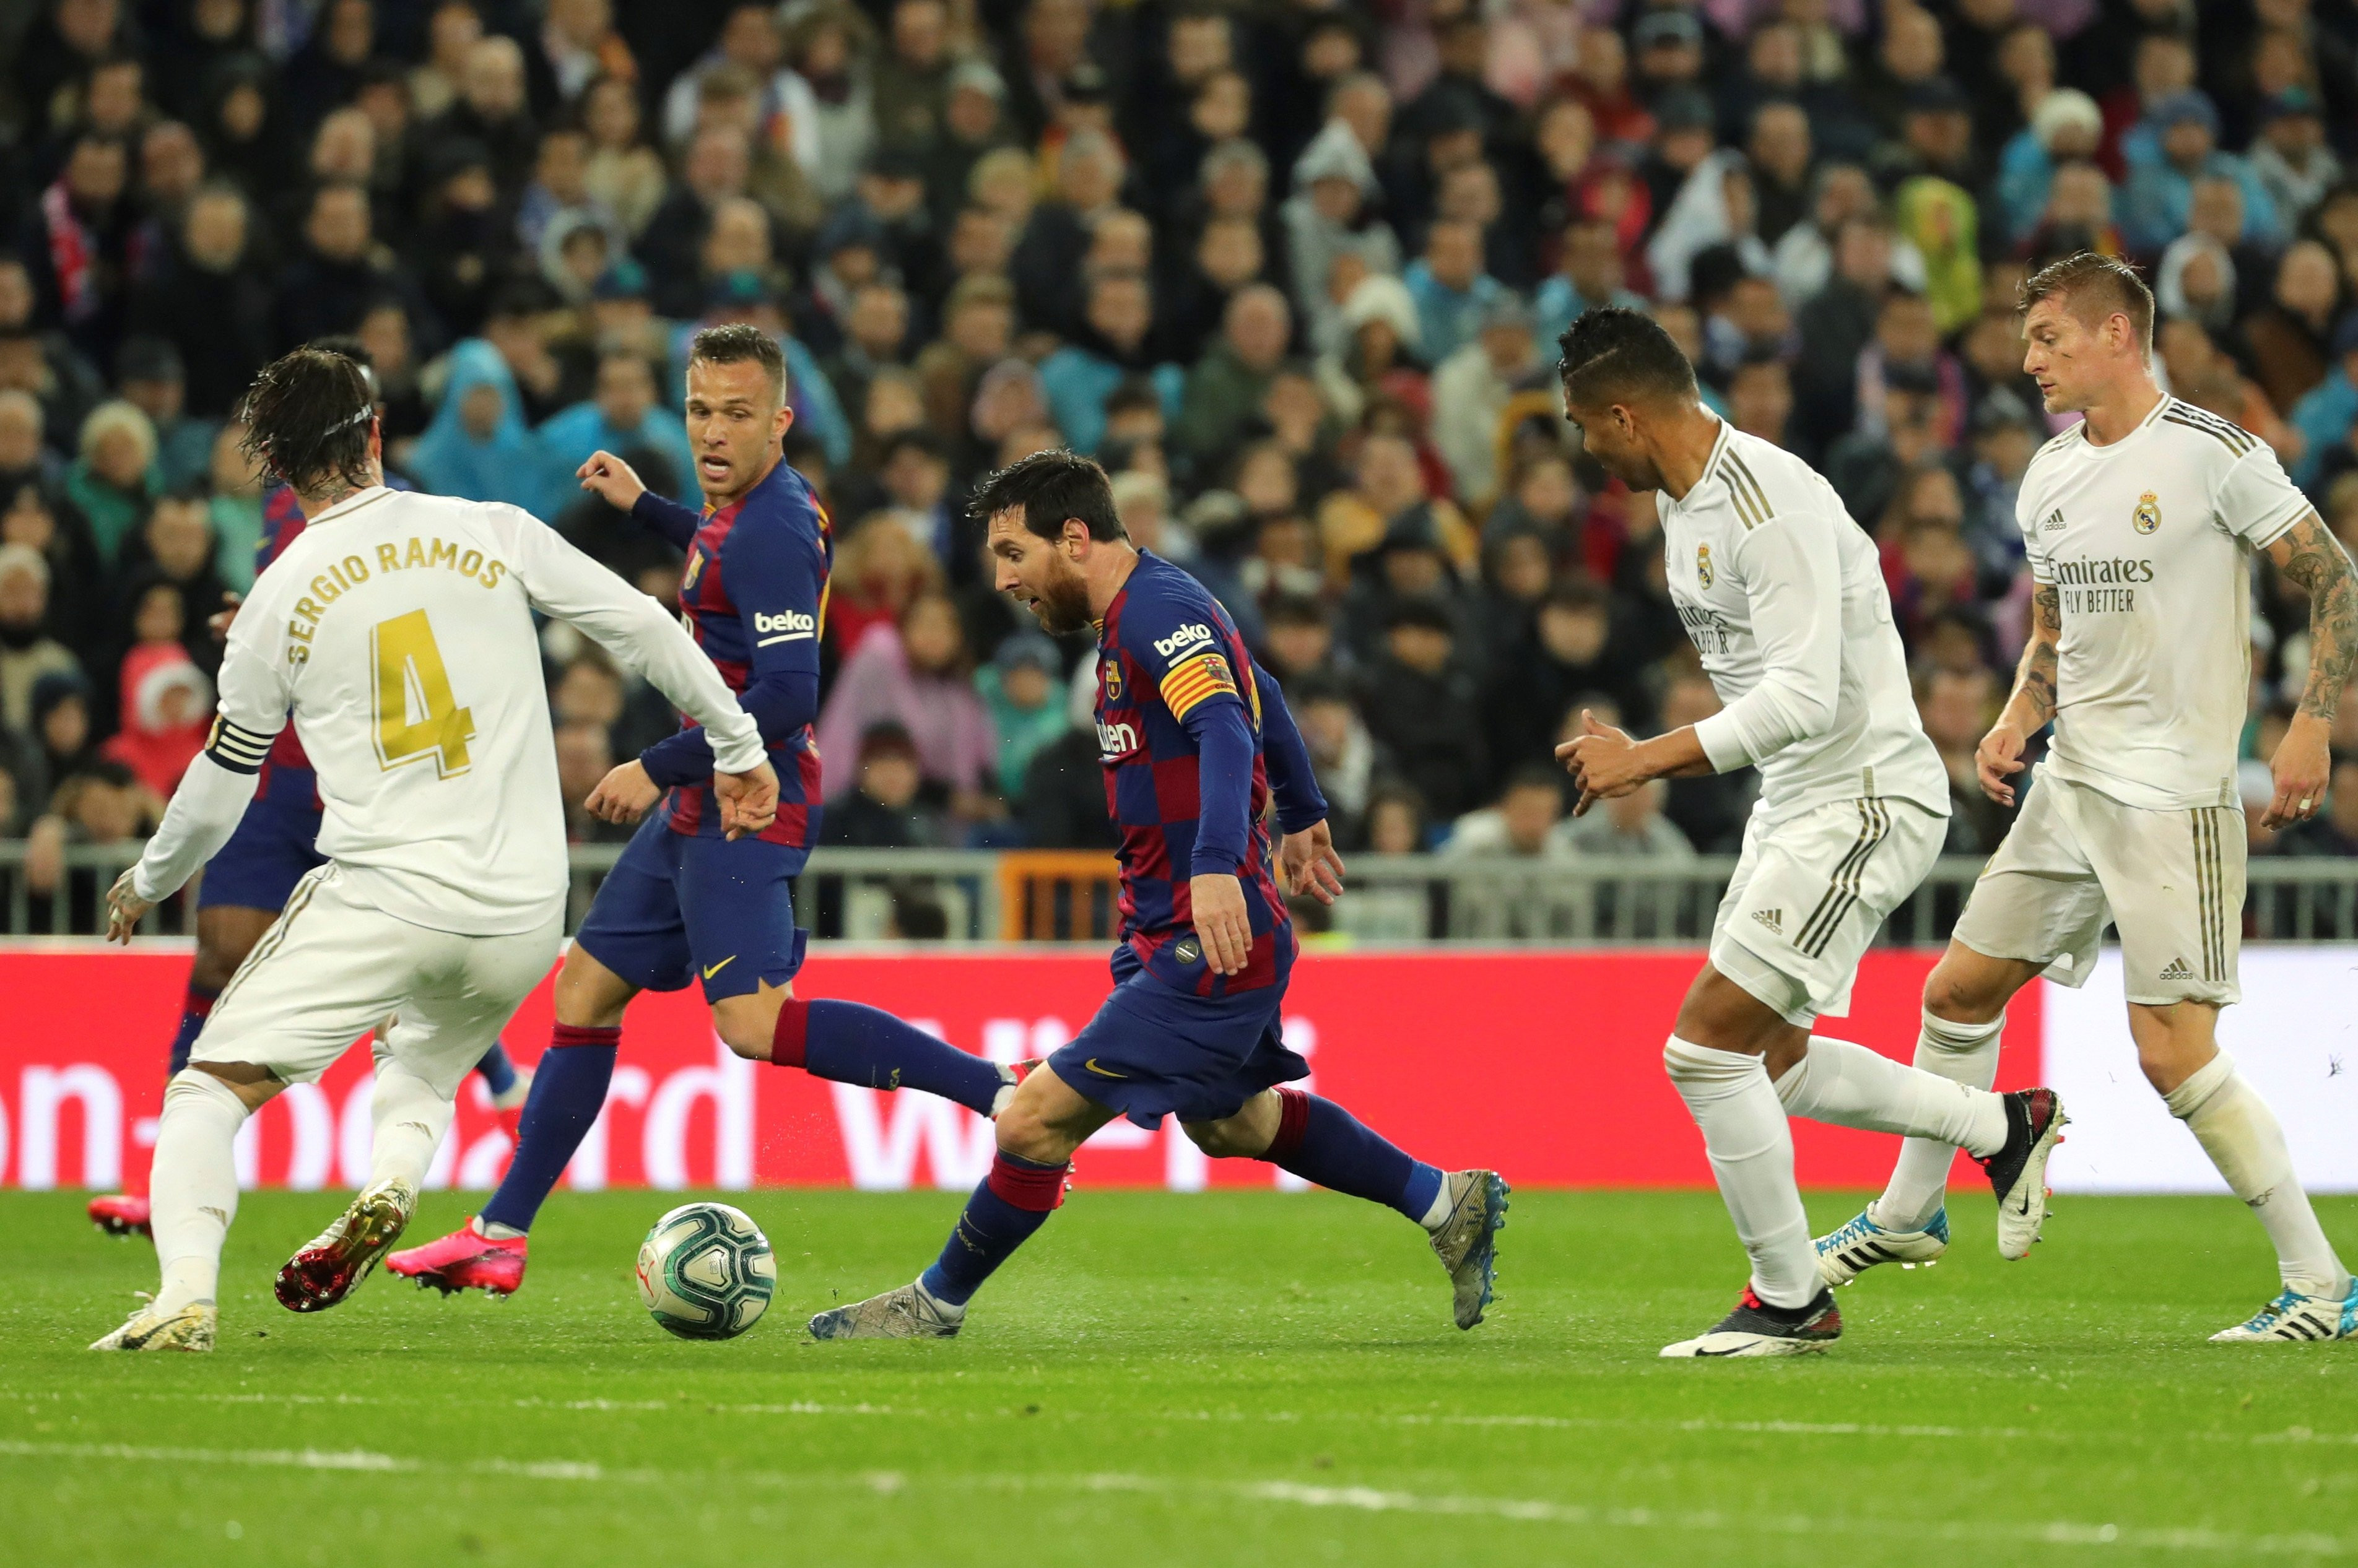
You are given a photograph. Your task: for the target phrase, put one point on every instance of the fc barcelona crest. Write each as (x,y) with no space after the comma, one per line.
(2147,516)
(1703,564)
(1113,679)
(694,566)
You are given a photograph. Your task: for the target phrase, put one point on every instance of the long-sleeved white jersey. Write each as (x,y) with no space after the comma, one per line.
(1783,596)
(397,630)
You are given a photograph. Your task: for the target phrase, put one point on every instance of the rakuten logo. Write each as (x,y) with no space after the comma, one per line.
(1115,742)
(1186,636)
(790,626)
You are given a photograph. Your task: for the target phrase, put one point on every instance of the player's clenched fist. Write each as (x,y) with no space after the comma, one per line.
(623,795)
(1221,923)
(749,802)
(612,478)
(1998,760)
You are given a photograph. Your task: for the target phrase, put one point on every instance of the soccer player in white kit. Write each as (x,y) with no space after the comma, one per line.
(398,632)
(2139,522)
(1783,597)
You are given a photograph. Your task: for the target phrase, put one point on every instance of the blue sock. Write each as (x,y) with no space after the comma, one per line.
(568,1089)
(1014,1200)
(849,1042)
(195,1008)
(499,1073)
(1319,1141)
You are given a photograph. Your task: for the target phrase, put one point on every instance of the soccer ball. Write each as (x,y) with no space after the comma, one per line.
(705,1272)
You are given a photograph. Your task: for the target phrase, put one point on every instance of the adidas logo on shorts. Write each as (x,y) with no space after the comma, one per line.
(2177,971)
(1772,918)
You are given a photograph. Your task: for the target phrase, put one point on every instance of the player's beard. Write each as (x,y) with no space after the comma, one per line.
(1063,606)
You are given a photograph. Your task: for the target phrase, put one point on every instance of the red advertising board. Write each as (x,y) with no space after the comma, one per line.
(1546,1065)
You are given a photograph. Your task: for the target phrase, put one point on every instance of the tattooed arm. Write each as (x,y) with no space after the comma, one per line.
(2310,556)
(2027,711)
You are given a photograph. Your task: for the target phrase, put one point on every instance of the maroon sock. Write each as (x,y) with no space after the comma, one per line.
(788,1041)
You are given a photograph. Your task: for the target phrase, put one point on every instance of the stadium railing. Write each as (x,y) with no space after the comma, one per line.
(982,895)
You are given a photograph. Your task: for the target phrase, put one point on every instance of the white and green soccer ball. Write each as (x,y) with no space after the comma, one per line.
(705,1272)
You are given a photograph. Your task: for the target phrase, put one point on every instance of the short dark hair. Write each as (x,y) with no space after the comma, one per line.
(737,343)
(1614,354)
(1050,487)
(2091,287)
(307,417)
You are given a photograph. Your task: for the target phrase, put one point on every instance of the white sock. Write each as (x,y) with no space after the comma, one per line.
(492,1230)
(407,1119)
(1962,1053)
(2243,1139)
(1851,1086)
(1436,1215)
(193,1186)
(1751,1148)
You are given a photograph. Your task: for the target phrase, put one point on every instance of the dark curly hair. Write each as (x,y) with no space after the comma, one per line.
(307,420)
(1050,487)
(1614,354)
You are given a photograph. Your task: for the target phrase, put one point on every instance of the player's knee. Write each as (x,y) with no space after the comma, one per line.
(1228,1139)
(752,1043)
(1020,1131)
(587,994)
(213,967)
(1958,993)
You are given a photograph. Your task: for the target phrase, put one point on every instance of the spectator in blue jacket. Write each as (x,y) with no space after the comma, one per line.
(2324,416)
(1452,292)
(625,414)
(1114,344)
(2177,144)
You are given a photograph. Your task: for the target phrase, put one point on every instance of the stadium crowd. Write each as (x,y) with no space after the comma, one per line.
(1290,269)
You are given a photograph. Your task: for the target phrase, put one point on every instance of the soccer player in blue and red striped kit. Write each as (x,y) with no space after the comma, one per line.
(275,846)
(1195,741)
(684,902)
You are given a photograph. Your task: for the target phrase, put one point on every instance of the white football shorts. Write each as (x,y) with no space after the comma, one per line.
(2172,881)
(331,970)
(1810,893)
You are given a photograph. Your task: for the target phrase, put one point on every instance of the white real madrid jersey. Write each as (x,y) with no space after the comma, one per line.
(2144,542)
(1783,596)
(397,629)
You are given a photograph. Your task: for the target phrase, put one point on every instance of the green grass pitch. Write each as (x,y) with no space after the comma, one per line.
(1247,1379)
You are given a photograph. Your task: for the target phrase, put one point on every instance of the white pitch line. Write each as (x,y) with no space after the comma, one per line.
(1357,1499)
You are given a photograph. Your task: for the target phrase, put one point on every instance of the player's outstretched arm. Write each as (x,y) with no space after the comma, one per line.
(563,582)
(619,485)
(2033,702)
(2309,555)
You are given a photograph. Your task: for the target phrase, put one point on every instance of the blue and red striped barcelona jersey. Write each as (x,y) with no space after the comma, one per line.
(753,595)
(1164,648)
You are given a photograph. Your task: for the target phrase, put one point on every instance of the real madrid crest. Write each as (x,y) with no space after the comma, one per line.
(2147,516)
(1703,564)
